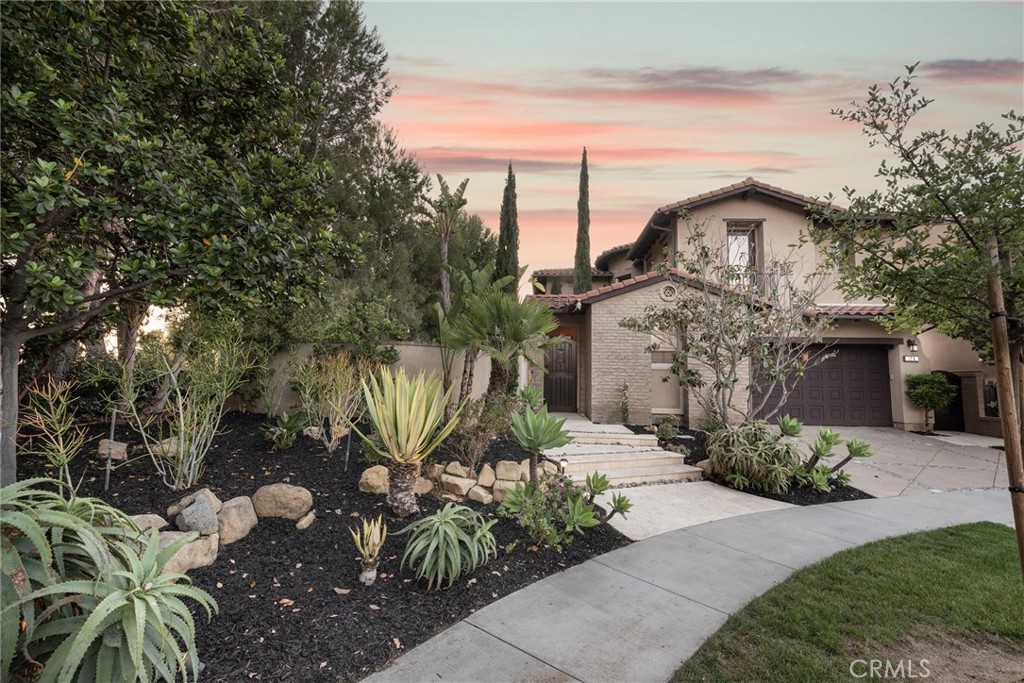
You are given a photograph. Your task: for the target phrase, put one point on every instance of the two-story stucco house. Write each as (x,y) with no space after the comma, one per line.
(863,383)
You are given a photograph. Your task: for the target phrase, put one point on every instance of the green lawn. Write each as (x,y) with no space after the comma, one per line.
(959,587)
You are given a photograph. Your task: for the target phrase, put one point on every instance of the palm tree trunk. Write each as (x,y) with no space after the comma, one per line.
(401,491)
(498,384)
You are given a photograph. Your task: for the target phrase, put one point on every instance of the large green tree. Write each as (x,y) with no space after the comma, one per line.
(507,258)
(151,150)
(943,241)
(582,276)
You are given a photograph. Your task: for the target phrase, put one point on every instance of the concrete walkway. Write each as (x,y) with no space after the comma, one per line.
(907,464)
(636,613)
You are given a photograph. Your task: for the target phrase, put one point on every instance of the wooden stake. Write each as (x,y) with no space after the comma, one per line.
(1007,400)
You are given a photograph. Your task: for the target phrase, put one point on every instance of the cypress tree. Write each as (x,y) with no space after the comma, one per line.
(507,258)
(581,277)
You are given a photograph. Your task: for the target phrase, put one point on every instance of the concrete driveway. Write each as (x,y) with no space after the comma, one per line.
(907,464)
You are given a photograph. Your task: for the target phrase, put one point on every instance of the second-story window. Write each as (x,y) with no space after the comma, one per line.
(741,248)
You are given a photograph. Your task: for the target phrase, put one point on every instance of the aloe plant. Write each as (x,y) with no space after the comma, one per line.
(451,542)
(407,416)
(84,593)
(369,541)
(536,432)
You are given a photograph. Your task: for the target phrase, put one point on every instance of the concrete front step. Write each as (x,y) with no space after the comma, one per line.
(589,463)
(610,439)
(572,450)
(642,475)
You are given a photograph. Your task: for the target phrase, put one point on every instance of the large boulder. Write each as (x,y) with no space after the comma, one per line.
(460,486)
(236,519)
(508,470)
(375,480)
(199,516)
(176,509)
(486,477)
(282,500)
(118,449)
(201,552)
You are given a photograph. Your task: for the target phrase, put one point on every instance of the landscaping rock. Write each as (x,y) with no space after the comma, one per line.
(458,485)
(147,522)
(480,495)
(548,467)
(282,500)
(507,470)
(423,486)
(236,519)
(457,470)
(118,449)
(501,488)
(375,480)
(705,466)
(199,516)
(176,509)
(306,521)
(486,477)
(167,447)
(201,552)
(524,470)
(433,471)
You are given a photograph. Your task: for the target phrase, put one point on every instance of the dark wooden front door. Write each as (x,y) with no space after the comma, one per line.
(560,377)
(849,389)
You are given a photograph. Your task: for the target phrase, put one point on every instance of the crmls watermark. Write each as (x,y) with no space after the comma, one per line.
(884,668)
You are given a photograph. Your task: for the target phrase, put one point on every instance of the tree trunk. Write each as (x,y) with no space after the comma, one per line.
(468,370)
(446,287)
(10,350)
(1007,392)
(401,491)
(62,359)
(498,383)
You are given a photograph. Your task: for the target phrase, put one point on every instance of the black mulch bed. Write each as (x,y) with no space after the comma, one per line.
(698,451)
(282,617)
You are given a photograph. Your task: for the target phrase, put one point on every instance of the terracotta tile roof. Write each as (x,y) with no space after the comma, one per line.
(854,310)
(562,272)
(602,259)
(647,236)
(566,301)
(749,183)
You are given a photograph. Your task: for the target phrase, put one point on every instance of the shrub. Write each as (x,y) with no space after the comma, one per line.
(931,392)
(555,511)
(822,477)
(531,397)
(624,403)
(331,395)
(283,433)
(668,428)
(211,371)
(751,455)
(51,420)
(480,422)
(84,593)
(447,544)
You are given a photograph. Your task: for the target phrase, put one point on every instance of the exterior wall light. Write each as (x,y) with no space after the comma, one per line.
(913,345)
(562,464)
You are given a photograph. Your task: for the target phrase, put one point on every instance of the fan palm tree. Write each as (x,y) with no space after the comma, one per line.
(502,327)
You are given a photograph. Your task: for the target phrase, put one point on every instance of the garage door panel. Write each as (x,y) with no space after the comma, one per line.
(850,388)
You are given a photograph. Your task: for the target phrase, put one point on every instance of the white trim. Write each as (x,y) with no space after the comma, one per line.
(661,366)
(667,411)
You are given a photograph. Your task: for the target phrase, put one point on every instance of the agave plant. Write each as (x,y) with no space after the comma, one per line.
(536,432)
(369,542)
(407,416)
(84,594)
(449,543)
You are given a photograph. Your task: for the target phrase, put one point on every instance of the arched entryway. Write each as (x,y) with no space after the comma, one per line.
(951,418)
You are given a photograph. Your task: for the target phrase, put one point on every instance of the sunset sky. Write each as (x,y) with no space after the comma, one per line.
(671,100)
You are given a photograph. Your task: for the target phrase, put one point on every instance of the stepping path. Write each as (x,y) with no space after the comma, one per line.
(620,454)
(636,613)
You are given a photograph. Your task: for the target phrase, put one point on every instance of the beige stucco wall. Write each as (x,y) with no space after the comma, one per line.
(414,357)
(620,266)
(779,236)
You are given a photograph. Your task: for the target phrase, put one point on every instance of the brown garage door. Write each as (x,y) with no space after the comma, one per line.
(849,389)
